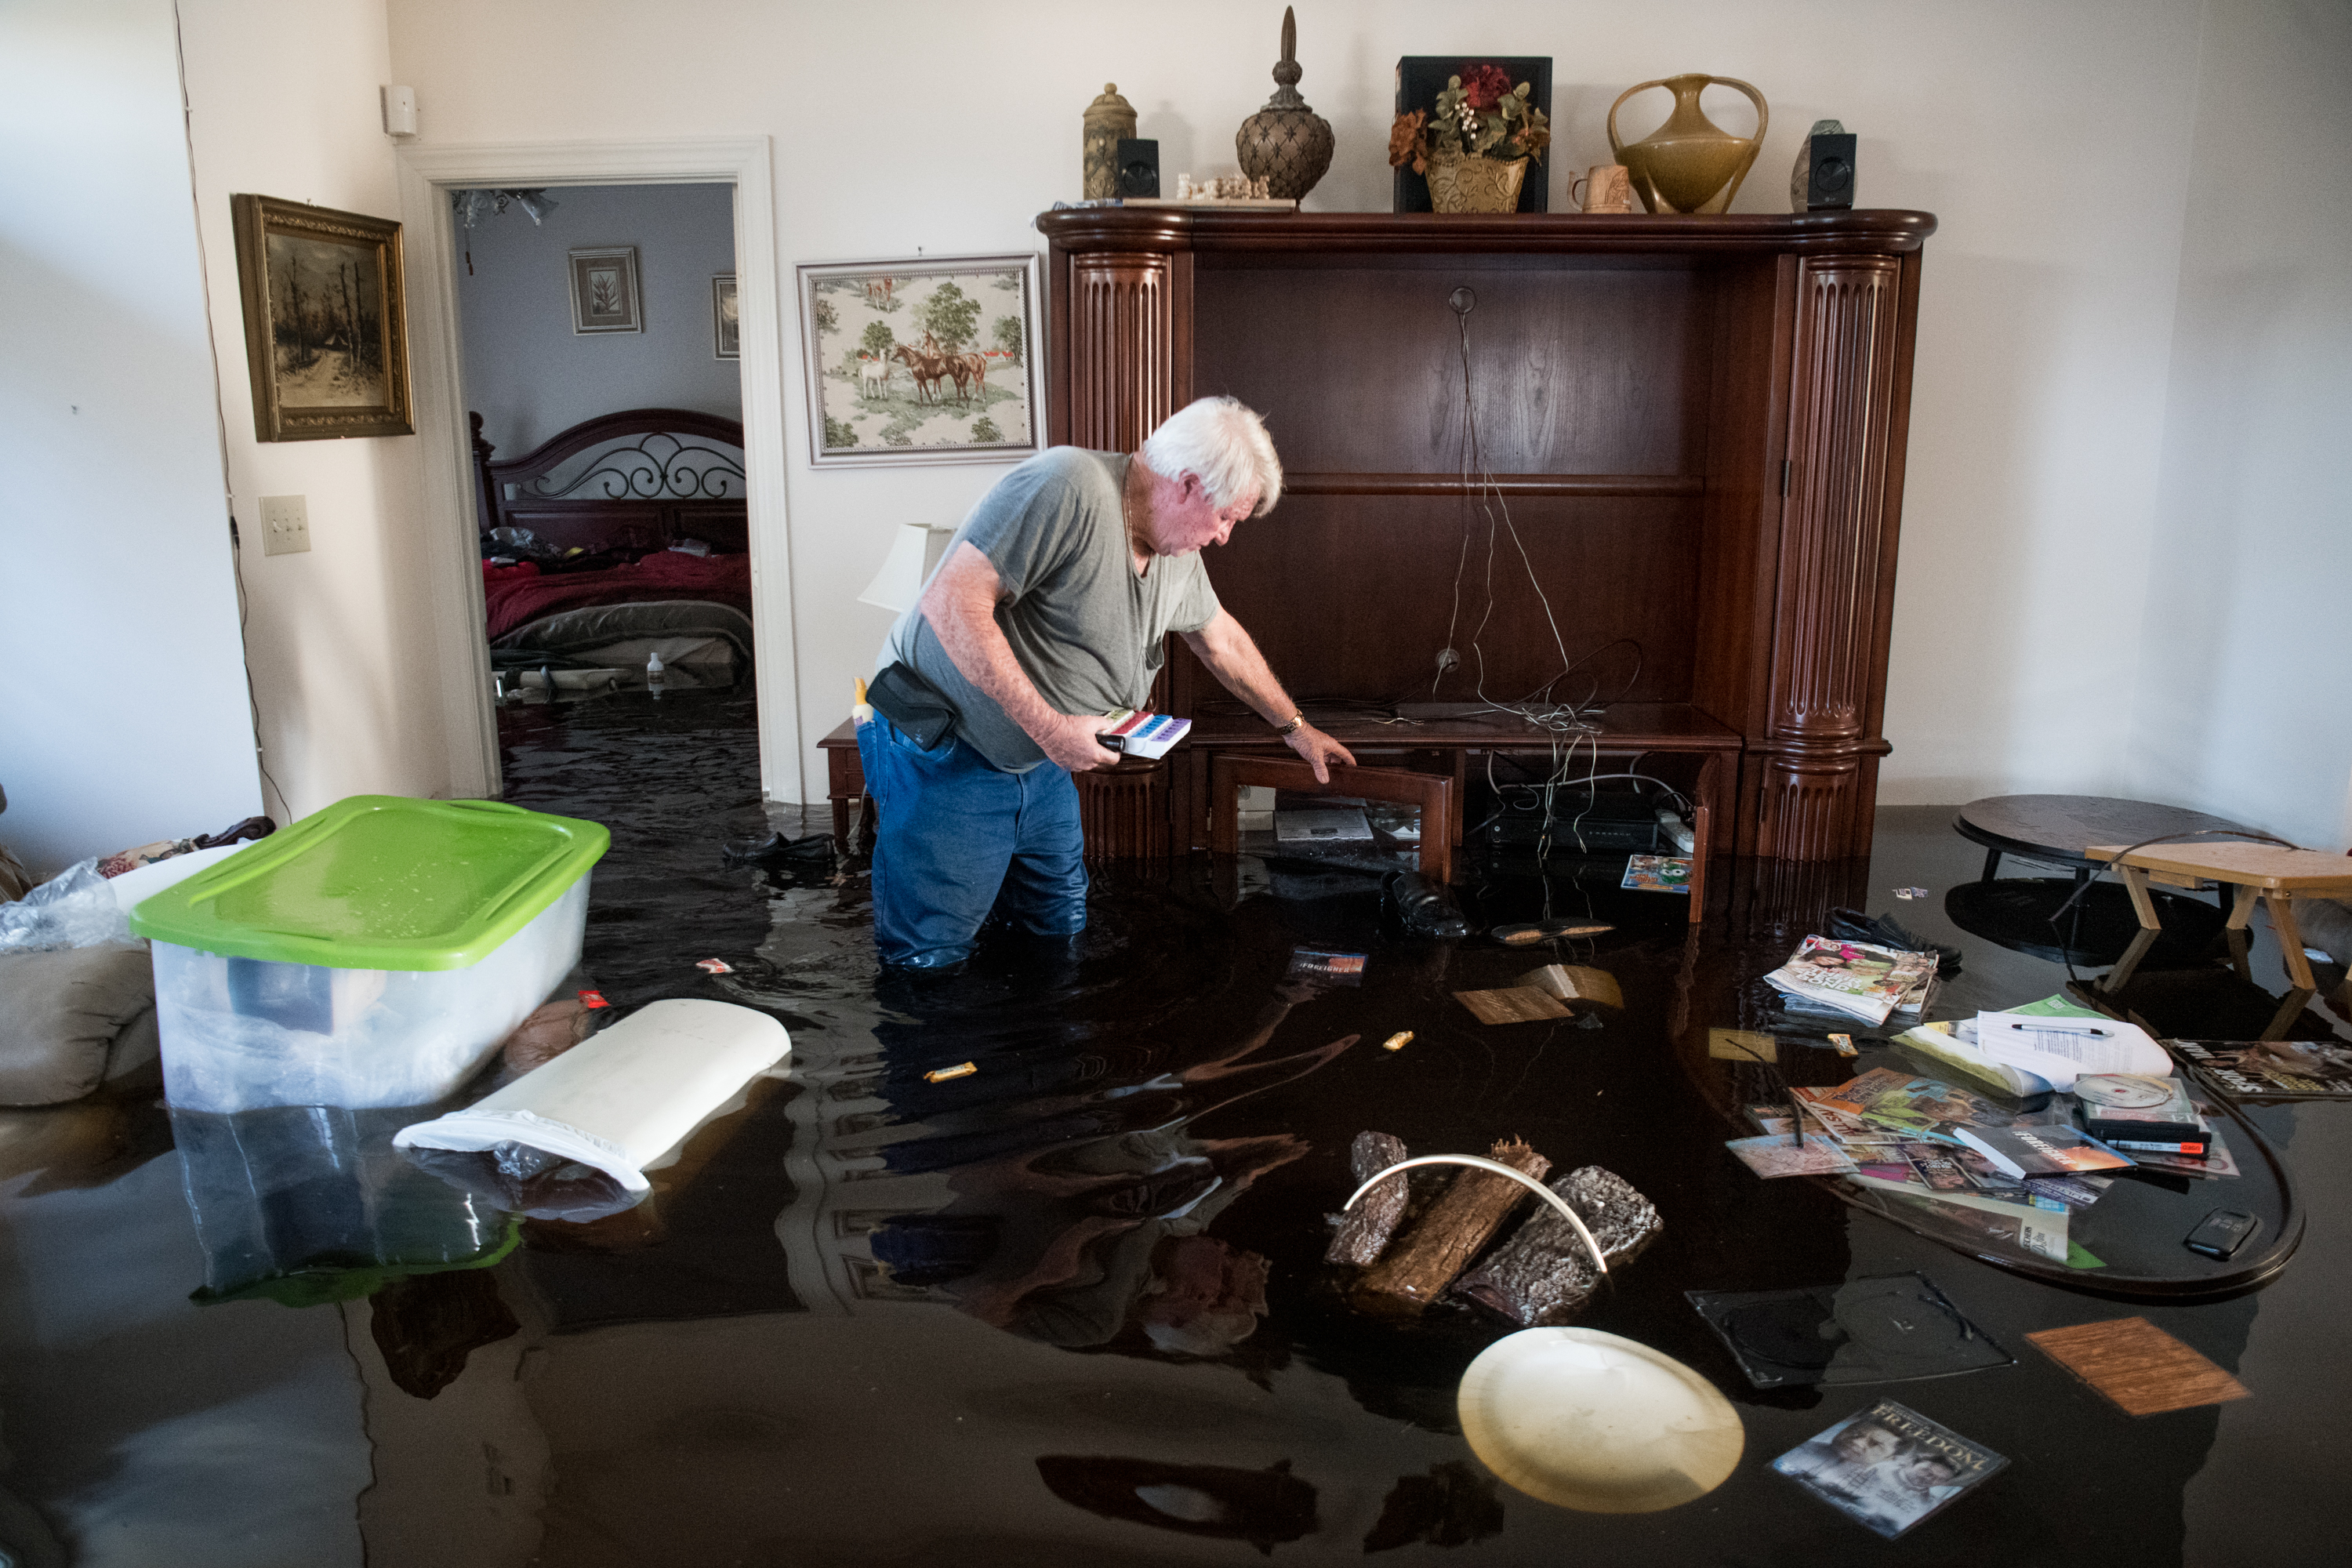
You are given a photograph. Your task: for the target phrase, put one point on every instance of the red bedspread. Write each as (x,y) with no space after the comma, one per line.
(518,598)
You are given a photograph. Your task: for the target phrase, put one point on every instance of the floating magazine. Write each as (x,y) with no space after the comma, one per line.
(2271,1070)
(1657,874)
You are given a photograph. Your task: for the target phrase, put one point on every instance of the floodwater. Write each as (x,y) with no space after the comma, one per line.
(1071,1306)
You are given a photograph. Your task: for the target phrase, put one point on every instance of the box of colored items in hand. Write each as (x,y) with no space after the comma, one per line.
(1144,734)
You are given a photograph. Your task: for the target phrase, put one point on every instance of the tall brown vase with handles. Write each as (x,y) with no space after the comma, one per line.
(1689,164)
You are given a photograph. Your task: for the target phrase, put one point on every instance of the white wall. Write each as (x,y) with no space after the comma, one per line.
(2048,140)
(531,376)
(2245,696)
(124,715)
(283,102)
(2055,629)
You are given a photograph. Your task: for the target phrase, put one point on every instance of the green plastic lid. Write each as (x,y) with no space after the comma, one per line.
(378,881)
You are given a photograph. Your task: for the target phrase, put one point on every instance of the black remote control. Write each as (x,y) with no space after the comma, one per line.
(2222,1233)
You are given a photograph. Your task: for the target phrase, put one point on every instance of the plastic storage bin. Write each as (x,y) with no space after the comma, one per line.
(372,955)
(308,1204)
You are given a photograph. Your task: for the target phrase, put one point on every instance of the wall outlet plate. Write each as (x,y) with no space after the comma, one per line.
(285,524)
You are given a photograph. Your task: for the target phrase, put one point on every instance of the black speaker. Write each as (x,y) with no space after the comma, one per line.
(1139,167)
(1830,170)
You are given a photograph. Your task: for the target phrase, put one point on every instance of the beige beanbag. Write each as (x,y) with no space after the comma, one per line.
(74,1019)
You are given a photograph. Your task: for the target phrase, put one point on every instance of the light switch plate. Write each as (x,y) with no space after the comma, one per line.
(285,525)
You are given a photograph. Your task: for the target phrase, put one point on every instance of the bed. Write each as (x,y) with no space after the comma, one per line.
(625,536)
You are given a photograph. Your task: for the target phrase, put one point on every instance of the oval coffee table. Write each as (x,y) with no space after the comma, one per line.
(2058,828)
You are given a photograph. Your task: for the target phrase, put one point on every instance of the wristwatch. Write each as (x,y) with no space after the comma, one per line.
(1298,721)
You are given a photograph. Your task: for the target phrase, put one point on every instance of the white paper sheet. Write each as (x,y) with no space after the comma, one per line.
(2061,1049)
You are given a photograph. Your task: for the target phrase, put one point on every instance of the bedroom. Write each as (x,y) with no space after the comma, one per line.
(2123,551)
(609,486)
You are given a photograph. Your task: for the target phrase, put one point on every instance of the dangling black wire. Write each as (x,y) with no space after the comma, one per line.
(2065,940)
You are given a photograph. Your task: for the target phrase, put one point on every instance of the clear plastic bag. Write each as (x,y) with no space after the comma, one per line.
(76,907)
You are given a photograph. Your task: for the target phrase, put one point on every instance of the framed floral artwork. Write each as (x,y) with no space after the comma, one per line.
(326,335)
(935,360)
(604,293)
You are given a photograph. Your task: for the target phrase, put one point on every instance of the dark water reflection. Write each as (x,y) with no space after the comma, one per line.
(1070,1305)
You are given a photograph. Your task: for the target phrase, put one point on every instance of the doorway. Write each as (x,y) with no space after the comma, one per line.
(454,477)
(601,339)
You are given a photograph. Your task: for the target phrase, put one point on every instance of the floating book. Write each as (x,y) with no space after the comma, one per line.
(2044,1151)
(1144,734)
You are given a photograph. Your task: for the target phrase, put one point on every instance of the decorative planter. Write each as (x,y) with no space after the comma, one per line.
(1286,144)
(1689,164)
(1459,184)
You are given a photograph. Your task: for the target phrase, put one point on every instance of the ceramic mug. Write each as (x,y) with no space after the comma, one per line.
(1607,187)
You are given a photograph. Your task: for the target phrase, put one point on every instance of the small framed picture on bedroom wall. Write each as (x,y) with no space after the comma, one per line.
(604,295)
(726,326)
(326,334)
(933,360)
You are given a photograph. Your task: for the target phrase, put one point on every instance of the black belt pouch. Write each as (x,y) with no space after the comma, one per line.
(913,704)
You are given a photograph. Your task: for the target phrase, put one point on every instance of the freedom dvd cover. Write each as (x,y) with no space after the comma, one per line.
(1888,1468)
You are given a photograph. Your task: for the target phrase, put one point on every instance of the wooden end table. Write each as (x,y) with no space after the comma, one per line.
(2271,872)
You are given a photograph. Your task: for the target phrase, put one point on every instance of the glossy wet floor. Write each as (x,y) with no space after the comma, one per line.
(1070,1306)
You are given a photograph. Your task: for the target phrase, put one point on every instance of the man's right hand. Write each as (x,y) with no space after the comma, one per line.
(1071,742)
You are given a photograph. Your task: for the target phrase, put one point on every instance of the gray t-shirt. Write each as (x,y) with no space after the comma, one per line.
(1085,629)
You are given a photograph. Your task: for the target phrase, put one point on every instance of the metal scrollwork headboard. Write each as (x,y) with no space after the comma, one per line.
(659,467)
(645,478)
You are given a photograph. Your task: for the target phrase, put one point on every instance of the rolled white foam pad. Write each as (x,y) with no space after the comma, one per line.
(623,1096)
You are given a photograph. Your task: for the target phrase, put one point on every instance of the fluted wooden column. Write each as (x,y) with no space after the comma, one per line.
(1121,346)
(1818,755)
(1124,811)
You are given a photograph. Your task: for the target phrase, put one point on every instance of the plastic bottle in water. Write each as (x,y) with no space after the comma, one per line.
(654,675)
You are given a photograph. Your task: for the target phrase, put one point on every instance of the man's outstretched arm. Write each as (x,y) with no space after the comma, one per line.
(1233,658)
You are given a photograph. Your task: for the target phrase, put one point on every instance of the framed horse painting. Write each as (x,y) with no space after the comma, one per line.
(936,359)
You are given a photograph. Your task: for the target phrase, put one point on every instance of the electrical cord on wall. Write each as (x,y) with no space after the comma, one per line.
(260,759)
(1483,496)
(220,420)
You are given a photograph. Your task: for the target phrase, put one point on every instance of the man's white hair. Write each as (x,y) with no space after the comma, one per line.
(1224,442)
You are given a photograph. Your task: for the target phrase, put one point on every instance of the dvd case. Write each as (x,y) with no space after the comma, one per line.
(1889,1467)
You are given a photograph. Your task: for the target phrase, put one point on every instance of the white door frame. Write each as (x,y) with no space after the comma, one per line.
(426,176)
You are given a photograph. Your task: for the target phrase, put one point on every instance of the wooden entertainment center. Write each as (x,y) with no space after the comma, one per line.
(1696,424)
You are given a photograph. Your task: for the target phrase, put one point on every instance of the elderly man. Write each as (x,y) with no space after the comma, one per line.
(1046,615)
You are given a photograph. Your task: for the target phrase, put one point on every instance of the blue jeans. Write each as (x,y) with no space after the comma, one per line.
(959,840)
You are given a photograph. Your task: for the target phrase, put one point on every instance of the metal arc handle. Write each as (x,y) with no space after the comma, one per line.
(1480,1162)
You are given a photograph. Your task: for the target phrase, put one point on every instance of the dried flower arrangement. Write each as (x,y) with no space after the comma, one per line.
(1479,114)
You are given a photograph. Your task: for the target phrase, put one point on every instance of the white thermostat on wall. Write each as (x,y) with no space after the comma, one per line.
(400,111)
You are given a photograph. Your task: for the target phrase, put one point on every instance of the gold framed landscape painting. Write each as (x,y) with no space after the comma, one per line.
(326,333)
(935,360)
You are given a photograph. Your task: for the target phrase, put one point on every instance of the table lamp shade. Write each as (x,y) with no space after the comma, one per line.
(914,553)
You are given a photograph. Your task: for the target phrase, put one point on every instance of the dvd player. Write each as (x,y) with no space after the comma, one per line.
(1577,825)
